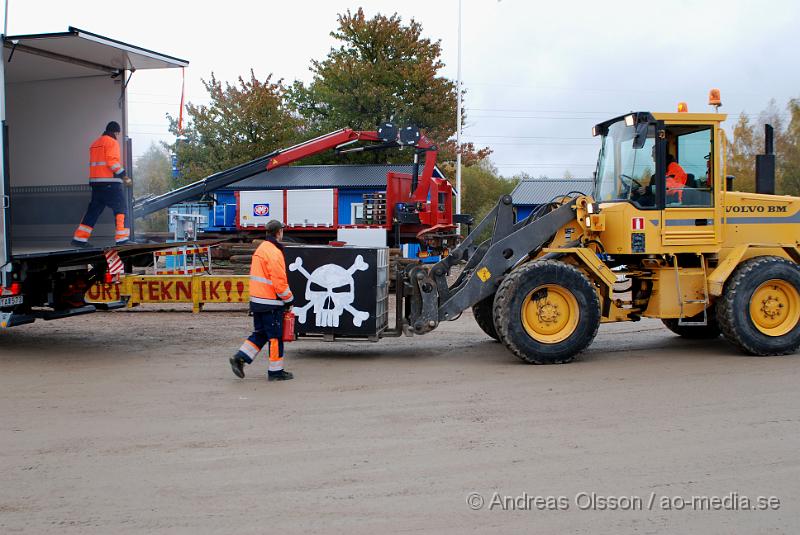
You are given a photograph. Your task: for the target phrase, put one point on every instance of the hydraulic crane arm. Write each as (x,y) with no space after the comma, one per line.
(345,136)
(387,135)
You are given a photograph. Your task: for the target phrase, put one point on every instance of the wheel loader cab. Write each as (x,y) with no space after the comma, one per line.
(661,169)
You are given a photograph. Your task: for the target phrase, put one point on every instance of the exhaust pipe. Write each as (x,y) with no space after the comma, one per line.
(765,164)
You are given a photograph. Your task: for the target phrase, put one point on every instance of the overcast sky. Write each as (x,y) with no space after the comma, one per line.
(538,74)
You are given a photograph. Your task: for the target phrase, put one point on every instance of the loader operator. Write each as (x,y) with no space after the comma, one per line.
(676,179)
(270,296)
(106,177)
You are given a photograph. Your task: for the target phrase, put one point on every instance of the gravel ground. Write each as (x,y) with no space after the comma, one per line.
(131,422)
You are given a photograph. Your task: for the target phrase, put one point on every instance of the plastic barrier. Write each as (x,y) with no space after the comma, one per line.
(197,290)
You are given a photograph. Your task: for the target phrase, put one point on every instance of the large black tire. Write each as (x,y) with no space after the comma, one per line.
(484,316)
(528,288)
(750,305)
(695,332)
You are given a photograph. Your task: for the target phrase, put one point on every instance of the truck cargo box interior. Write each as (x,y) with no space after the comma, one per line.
(61,90)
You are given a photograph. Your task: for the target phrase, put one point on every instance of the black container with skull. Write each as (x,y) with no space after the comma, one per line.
(339,291)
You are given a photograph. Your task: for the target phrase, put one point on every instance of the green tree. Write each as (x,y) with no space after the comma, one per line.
(243,121)
(481,187)
(382,70)
(153,175)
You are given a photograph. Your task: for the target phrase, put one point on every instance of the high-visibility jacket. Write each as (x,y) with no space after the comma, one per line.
(676,180)
(104,161)
(268,282)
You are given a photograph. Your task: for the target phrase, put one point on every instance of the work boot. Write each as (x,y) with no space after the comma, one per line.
(237,365)
(79,244)
(281,375)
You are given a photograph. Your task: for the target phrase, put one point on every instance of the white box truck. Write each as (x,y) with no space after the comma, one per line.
(57,93)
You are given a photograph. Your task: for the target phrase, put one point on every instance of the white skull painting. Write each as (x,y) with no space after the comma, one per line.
(330,290)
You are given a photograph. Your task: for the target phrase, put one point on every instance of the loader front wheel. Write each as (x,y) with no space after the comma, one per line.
(546,312)
(760,307)
(483,312)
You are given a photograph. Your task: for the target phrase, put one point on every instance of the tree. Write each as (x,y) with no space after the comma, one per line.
(383,70)
(789,161)
(482,187)
(242,122)
(742,152)
(153,176)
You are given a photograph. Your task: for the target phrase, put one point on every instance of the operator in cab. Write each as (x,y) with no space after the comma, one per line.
(106,177)
(676,180)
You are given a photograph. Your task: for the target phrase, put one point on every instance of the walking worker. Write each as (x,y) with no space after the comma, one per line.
(106,177)
(269,298)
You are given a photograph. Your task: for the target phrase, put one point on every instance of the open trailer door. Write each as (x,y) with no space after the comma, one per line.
(5,200)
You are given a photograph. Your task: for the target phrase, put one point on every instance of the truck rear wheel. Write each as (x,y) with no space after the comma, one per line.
(695,332)
(546,312)
(484,316)
(760,307)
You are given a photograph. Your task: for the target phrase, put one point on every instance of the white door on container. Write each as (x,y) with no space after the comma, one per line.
(257,208)
(309,207)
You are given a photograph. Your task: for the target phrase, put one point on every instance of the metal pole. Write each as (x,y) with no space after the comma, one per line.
(458,121)
(5,20)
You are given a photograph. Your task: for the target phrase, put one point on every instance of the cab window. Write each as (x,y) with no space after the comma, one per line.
(688,176)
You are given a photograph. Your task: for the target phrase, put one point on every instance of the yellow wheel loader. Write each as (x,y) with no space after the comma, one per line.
(665,235)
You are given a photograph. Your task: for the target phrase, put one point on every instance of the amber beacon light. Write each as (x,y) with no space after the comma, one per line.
(714,99)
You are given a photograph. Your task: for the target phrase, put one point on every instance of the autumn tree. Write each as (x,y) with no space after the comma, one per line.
(789,159)
(482,187)
(243,121)
(153,176)
(383,69)
(742,150)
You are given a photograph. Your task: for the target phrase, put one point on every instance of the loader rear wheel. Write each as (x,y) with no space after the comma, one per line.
(760,307)
(695,332)
(546,312)
(483,312)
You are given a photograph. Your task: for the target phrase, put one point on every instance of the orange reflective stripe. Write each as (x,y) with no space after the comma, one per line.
(275,357)
(249,349)
(82,233)
(274,350)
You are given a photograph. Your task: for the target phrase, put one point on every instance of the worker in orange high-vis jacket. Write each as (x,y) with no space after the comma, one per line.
(676,180)
(270,296)
(106,177)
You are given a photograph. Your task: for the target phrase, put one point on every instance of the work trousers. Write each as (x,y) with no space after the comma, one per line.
(105,195)
(267,330)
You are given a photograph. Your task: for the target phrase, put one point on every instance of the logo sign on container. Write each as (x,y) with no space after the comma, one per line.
(261,210)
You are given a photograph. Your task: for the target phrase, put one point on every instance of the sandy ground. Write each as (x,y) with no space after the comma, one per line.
(131,422)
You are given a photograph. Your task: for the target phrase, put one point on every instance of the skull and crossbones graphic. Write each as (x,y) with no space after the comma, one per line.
(330,291)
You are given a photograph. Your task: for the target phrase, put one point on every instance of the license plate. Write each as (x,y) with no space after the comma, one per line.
(10,301)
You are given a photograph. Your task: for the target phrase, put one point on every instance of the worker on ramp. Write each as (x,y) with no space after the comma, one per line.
(106,177)
(270,296)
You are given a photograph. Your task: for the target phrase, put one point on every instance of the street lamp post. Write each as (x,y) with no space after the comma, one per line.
(458,120)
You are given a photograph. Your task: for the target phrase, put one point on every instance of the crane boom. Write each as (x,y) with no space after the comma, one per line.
(282,157)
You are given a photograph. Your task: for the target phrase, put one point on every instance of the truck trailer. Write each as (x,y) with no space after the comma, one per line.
(57,92)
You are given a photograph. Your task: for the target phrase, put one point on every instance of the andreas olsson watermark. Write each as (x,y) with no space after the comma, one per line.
(592,501)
